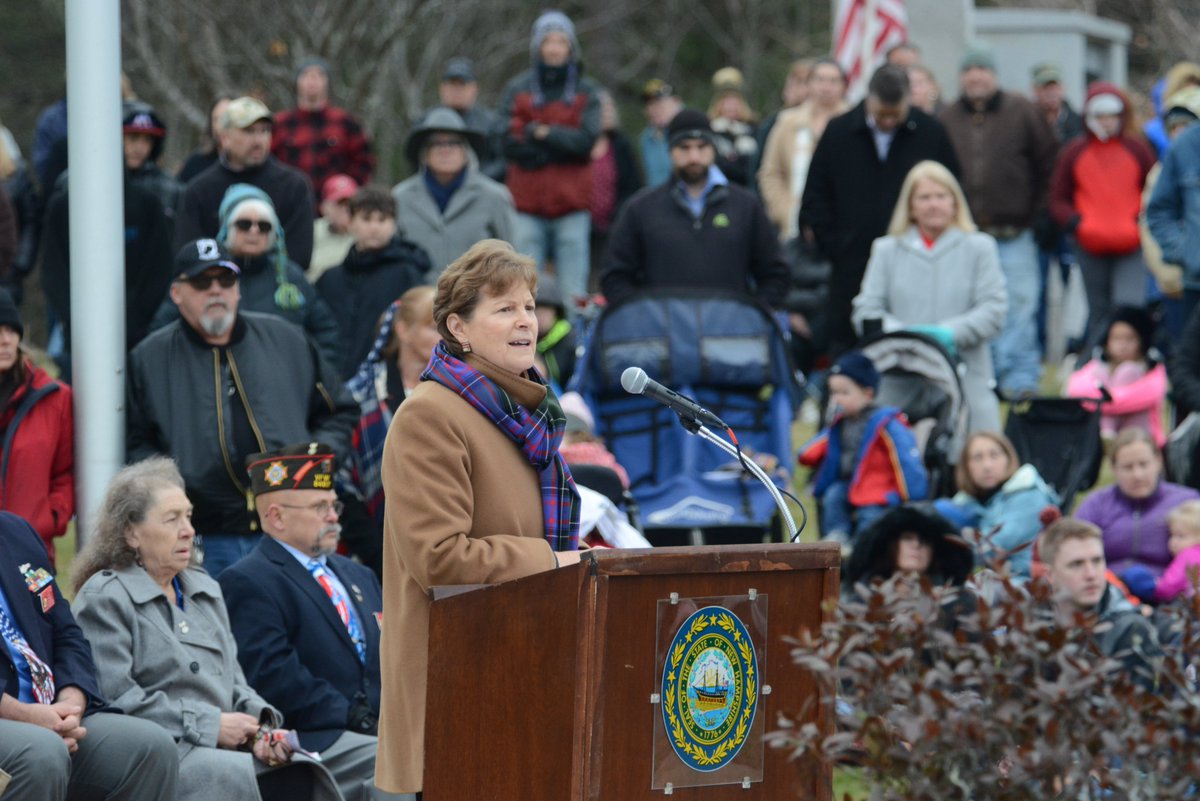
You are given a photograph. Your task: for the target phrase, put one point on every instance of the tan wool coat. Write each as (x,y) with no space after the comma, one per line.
(463,507)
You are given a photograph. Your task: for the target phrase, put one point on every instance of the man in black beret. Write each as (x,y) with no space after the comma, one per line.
(306,620)
(696,230)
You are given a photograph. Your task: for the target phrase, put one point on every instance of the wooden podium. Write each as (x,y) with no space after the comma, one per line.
(551,688)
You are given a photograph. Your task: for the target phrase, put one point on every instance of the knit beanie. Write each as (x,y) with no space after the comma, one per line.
(313,61)
(288,296)
(9,315)
(858,368)
(689,124)
(978,54)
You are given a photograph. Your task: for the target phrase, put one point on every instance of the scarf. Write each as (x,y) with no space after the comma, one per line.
(537,433)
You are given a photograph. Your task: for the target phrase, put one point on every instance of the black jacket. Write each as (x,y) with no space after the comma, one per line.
(257,284)
(287,392)
(849,195)
(288,188)
(360,289)
(148,259)
(656,243)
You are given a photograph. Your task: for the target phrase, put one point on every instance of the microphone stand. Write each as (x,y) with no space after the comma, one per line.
(693,426)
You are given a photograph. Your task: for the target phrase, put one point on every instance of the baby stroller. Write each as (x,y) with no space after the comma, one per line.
(729,354)
(1061,438)
(922,379)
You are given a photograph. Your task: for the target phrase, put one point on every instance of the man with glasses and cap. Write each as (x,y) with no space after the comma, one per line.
(216,385)
(696,230)
(660,105)
(244,130)
(307,621)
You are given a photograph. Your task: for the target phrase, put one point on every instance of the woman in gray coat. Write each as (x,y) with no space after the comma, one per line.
(164,651)
(936,273)
(449,204)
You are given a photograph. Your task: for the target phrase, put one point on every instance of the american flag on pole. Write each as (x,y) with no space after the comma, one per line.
(863,31)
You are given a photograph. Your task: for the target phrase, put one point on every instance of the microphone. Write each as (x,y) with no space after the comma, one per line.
(636,382)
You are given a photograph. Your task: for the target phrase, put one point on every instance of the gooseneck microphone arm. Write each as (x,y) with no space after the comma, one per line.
(695,418)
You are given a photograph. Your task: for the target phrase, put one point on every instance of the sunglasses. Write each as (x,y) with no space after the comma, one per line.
(203,281)
(264,226)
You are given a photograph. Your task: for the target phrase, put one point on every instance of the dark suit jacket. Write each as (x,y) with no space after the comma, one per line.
(292,645)
(849,195)
(53,634)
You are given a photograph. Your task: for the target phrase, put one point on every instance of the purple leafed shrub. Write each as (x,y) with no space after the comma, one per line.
(940,695)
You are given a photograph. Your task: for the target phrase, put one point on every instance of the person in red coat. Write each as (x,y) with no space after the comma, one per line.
(1095,196)
(37,434)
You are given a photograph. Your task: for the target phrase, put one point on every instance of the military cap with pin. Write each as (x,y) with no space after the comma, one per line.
(308,465)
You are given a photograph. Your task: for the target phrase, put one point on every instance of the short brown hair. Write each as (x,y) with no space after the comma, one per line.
(962,476)
(490,265)
(372,198)
(1061,530)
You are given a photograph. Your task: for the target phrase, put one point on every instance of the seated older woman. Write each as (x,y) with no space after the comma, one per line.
(164,652)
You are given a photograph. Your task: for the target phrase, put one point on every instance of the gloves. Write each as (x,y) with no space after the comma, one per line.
(939,333)
(1140,582)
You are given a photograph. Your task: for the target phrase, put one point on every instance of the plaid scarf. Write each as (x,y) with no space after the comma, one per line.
(538,434)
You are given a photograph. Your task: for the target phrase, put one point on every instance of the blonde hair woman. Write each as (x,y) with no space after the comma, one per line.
(935,273)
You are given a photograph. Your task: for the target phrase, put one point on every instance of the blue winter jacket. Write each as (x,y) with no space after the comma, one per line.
(1013,513)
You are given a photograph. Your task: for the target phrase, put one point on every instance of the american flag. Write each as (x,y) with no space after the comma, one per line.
(863,31)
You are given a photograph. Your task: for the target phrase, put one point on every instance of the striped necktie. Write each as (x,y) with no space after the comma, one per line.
(40,673)
(343,608)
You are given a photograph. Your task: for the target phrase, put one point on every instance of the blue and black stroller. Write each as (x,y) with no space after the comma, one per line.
(729,354)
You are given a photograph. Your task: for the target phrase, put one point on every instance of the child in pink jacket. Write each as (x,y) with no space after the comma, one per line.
(1180,576)
(1136,381)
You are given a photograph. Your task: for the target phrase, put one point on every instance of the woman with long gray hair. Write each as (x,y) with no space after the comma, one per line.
(164,651)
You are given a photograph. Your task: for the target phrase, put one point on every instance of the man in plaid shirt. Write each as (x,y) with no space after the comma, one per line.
(318,138)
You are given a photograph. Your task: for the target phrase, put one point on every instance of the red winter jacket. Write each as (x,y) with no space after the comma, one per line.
(37,459)
(1096,191)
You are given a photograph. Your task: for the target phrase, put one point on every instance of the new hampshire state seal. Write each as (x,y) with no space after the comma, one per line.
(709,688)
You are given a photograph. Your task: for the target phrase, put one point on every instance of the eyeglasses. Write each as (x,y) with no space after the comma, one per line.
(322,508)
(264,226)
(202,282)
(445,144)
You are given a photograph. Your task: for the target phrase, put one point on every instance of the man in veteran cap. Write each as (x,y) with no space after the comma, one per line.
(218,384)
(306,620)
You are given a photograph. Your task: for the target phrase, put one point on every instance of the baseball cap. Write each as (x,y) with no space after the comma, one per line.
(459,68)
(244,112)
(1044,74)
(200,254)
(338,187)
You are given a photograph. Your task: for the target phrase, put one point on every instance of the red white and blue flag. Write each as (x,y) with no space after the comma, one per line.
(863,31)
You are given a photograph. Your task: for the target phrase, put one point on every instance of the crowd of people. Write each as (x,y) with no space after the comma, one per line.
(341,394)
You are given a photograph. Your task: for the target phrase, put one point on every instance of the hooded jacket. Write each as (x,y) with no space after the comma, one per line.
(362,287)
(1096,190)
(550,177)
(874,549)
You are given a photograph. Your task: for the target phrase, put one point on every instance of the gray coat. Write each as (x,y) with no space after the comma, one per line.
(480,209)
(176,668)
(957,285)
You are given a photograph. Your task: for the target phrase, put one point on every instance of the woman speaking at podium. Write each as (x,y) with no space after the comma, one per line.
(475,491)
